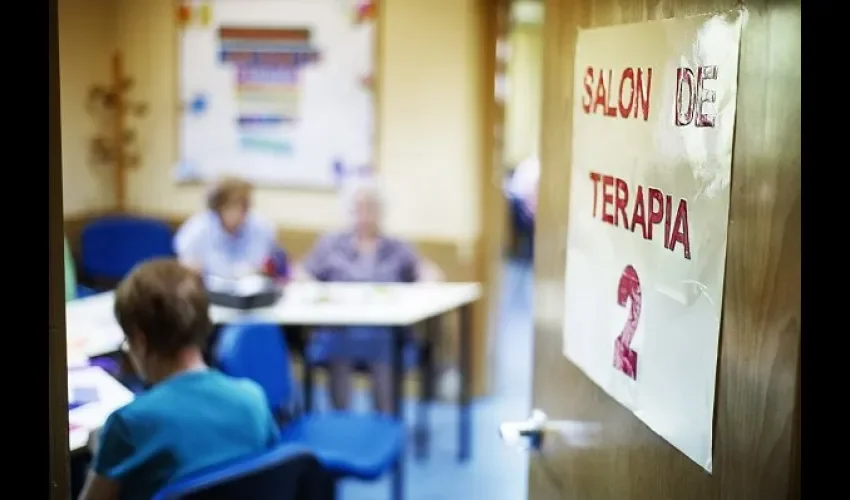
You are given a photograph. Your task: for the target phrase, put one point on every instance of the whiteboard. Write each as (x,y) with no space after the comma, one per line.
(275,91)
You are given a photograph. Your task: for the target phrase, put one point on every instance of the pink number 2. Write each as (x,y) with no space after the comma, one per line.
(625,358)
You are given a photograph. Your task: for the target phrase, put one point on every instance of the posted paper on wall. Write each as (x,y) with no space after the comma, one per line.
(653,123)
(276,92)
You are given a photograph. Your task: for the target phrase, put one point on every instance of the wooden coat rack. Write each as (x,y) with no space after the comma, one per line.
(116,146)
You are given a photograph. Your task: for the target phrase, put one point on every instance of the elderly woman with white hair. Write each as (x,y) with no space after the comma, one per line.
(362,253)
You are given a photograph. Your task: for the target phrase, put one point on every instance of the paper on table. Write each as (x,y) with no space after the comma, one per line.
(355,294)
(251,285)
(111,395)
(78,437)
(90,327)
(76,353)
(244,286)
(82,395)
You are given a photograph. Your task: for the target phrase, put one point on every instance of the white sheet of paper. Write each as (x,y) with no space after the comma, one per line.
(653,123)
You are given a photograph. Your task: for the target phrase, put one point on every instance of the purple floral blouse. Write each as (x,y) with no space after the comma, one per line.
(336,258)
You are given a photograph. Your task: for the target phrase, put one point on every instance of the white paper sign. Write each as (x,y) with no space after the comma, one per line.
(653,121)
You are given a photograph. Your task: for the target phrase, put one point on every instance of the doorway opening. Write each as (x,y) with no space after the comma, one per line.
(518,83)
(519,55)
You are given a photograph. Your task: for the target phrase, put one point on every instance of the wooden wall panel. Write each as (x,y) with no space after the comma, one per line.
(757,454)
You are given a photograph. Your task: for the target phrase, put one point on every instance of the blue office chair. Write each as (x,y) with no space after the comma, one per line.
(287,472)
(84,291)
(362,446)
(417,354)
(318,354)
(111,246)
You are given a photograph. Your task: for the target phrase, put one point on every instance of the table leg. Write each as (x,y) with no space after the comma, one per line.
(306,371)
(398,410)
(427,372)
(465,420)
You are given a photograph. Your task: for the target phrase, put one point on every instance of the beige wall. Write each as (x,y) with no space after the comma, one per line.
(86,36)
(429,141)
(522,107)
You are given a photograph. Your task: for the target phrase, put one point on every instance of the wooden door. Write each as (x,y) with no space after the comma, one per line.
(493,17)
(756,434)
(57,369)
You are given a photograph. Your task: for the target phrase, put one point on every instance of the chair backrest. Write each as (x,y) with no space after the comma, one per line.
(111,246)
(258,351)
(288,472)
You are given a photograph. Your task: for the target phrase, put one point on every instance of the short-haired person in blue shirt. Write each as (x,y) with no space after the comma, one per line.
(227,240)
(192,417)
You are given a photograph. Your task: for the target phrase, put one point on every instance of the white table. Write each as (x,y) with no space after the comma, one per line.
(357,304)
(91,327)
(90,417)
(93,330)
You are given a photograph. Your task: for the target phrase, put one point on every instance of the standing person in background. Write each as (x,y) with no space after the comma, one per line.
(363,253)
(227,239)
(522,191)
(524,184)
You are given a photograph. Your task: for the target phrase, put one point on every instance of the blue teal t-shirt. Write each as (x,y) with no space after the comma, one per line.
(188,422)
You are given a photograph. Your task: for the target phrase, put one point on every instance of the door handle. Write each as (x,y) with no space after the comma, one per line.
(526,434)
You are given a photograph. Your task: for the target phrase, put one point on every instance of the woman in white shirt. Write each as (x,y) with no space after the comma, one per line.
(227,239)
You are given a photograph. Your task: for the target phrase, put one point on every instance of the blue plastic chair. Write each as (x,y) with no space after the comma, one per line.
(416,355)
(318,354)
(111,246)
(84,291)
(287,472)
(362,446)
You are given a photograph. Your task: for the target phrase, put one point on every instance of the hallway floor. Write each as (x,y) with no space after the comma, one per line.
(495,472)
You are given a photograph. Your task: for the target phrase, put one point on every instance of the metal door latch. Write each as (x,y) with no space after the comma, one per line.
(527,434)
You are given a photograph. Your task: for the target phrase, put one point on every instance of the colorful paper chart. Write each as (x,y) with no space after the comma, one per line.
(268,62)
(365,11)
(287,88)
